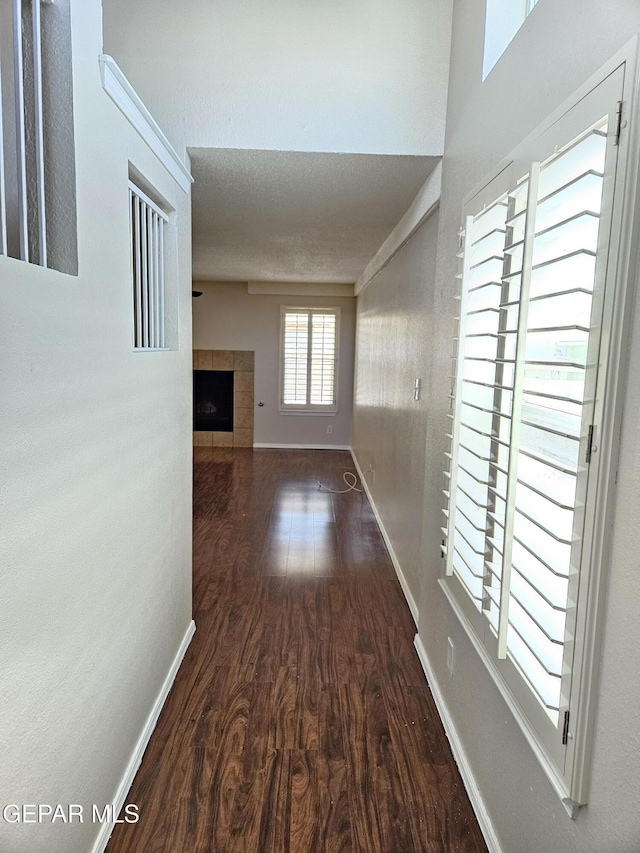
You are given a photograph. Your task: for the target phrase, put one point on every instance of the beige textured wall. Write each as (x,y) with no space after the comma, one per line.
(395,313)
(95,488)
(227,317)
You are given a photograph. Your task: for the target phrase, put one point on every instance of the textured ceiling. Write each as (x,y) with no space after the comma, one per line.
(295,216)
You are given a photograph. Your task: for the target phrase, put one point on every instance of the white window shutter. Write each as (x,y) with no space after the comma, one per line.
(295,355)
(309,359)
(527,353)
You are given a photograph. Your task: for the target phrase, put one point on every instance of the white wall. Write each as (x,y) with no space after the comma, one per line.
(226,316)
(363,76)
(560,45)
(95,489)
(393,349)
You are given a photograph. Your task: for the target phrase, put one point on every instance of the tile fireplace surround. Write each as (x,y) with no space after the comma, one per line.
(242,364)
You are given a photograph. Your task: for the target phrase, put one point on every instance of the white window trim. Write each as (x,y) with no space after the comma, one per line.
(572,785)
(309,408)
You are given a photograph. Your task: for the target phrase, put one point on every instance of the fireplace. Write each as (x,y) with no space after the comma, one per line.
(213,400)
(231,424)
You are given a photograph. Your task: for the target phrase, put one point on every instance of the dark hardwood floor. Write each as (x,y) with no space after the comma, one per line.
(300,720)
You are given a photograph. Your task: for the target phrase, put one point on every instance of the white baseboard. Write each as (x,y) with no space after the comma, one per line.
(302,446)
(134,763)
(459,753)
(413,607)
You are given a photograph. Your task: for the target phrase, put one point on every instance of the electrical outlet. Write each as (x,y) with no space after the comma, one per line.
(370,474)
(330,430)
(451,656)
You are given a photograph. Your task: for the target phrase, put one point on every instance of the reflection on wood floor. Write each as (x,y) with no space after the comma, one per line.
(300,721)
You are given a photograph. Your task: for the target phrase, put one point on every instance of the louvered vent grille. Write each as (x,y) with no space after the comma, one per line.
(147,261)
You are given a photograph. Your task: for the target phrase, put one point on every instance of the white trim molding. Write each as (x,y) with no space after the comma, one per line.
(413,607)
(129,103)
(421,208)
(459,754)
(303,288)
(136,758)
(268,446)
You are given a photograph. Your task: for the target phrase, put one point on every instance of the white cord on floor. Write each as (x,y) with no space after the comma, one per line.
(351,486)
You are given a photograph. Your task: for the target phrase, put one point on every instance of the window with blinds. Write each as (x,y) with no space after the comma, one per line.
(147,263)
(534,257)
(309,359)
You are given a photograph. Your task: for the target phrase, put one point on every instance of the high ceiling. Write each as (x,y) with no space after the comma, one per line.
(290,216)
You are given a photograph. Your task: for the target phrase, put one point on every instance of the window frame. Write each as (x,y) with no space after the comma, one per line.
(308,408)
(571,781)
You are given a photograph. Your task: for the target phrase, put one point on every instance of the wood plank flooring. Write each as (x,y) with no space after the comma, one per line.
(300,720)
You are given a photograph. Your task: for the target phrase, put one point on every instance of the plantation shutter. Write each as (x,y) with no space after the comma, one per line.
(309,358)
(522,403)
(296,348)
(323,359)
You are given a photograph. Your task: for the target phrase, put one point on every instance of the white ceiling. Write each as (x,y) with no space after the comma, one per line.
(291,216)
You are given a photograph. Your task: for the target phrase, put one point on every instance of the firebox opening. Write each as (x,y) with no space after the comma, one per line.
(213,400)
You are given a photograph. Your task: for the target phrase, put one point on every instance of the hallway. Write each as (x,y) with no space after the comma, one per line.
(300,719)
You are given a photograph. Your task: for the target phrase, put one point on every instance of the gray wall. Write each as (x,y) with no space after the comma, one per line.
(395,311)
(226,316)
(562,43)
